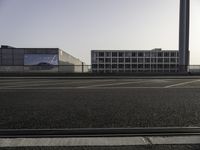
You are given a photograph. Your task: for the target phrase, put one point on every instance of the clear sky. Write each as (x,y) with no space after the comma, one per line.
(78,26)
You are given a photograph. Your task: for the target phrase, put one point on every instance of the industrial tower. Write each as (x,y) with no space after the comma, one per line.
(184,53)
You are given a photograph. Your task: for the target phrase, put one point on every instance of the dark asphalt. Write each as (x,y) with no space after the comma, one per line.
(155,147)
(102,103)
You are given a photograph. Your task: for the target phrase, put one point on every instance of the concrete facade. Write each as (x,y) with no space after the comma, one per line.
(73,64)
(39,60)
(114,61)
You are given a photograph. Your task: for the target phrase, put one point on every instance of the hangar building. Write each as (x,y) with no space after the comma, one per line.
(39,60)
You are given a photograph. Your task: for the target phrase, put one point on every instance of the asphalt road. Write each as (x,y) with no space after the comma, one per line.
(155,147)
(99,103)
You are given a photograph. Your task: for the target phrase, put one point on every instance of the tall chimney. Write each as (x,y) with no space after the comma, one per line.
(184,35)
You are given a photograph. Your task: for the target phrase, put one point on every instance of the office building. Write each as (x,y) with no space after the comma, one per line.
(114,61)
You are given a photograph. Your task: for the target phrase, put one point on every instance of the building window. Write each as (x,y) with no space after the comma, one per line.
(166,60)
(127,66)
(153,60)
(128,54)
(114,60)
(108,54)
(154,66)
(147,66)
(140,54)
(147,60)
(127,60)
(160,60)
(173,60)
(140,66)
(140,60)
(101,54)
(134,54)
(114,54)
(134,66)
(173,54)
(121,54)
(94,60)
(173,66)
(166,54)
(40,59)
(108,66)
(166,66)
(94,66)
(101,60)
(160,54)
(101,66)
(154,54)
(134,60)
(121,66)
(160,66)
(114,66)
(147,54)
(121,60)
(94,54)
(108,60)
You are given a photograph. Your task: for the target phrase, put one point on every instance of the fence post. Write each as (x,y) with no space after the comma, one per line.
(82,67)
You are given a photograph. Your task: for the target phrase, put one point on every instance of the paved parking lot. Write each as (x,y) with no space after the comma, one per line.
(85,103)
(97,83)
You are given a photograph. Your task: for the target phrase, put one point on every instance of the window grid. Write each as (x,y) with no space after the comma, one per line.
(135,61)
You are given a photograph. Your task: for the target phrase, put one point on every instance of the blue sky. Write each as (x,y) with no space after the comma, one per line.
(79,26)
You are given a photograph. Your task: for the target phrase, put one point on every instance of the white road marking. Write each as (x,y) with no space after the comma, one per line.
(93,88)
(32,85)
(175,140)
(103,77)
(147,142)
(75,88)
(97,141)
(46,83)
(23,82)
(111,84)
(183,83)
(60,84)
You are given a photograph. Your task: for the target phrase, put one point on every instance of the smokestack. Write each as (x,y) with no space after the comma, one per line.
(184,35)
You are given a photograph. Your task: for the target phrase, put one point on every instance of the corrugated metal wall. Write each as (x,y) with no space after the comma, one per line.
(11,57)
(15,60)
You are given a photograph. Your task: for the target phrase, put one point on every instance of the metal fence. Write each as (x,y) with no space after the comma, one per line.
(46,69)
(91,69)
(194,68)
